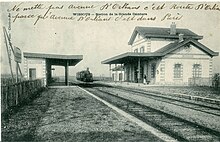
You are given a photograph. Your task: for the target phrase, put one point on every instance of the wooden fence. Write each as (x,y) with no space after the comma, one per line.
(212,82)
(9,80)
(200,81)
(15,94)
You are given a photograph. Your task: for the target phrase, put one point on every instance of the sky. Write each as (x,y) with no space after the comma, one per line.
(98,41)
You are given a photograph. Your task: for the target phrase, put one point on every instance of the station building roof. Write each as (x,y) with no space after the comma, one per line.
(158,32)
(56,59)
(173,46)
(133,56)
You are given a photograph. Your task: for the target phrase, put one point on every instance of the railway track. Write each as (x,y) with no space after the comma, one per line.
(180,129)
(213,109)
(198,106)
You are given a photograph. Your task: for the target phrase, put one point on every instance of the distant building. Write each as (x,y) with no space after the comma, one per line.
(118,73)
(165,56)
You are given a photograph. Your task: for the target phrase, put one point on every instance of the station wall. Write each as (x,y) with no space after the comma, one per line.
(161,71)
(35,69)
(188,59)
(118,75)
(149,45)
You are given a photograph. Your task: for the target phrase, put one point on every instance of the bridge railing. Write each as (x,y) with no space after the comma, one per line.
(15,94)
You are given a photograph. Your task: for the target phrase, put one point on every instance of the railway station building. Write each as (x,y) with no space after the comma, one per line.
(169,56)
(38,65)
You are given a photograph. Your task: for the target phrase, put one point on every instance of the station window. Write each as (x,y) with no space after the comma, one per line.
(178,71)
(153,70)
(142,49)
(197,70)
(120,76)
(139,36)
(136,50)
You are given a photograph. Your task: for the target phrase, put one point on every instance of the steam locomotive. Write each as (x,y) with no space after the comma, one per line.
(84,76)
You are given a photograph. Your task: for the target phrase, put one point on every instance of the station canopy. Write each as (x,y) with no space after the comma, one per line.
(131,57)
(56,59)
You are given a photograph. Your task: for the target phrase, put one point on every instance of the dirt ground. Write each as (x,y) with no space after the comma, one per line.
(69,114)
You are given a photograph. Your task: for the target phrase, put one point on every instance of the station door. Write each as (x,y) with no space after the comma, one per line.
(32,73)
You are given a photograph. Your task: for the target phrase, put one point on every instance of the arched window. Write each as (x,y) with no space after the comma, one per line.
(136,50)
(178,70)
(142,49)
(120,76)
(197,70)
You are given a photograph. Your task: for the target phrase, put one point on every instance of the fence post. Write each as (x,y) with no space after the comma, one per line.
(23,90)
(20,93)
(2,98)
(16,93)
(6,97)
(9,95)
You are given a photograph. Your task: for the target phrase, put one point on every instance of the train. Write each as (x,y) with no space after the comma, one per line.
(85,76)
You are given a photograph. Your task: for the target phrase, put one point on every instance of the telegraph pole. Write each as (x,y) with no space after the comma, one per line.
(15,53)
(8,51)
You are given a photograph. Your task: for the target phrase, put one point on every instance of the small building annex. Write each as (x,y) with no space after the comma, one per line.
(39,65)
(117,73)
(165,56)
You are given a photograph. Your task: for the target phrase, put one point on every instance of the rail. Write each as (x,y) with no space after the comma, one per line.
(15,94)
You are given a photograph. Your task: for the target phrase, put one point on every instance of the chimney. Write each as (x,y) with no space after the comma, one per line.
(181,37)
(173,28)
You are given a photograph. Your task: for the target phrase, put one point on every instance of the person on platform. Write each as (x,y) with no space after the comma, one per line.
(145,79)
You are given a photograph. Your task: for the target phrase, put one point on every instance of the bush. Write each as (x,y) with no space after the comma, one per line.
(216,80)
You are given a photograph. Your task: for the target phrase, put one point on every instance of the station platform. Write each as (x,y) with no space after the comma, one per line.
(67,113)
